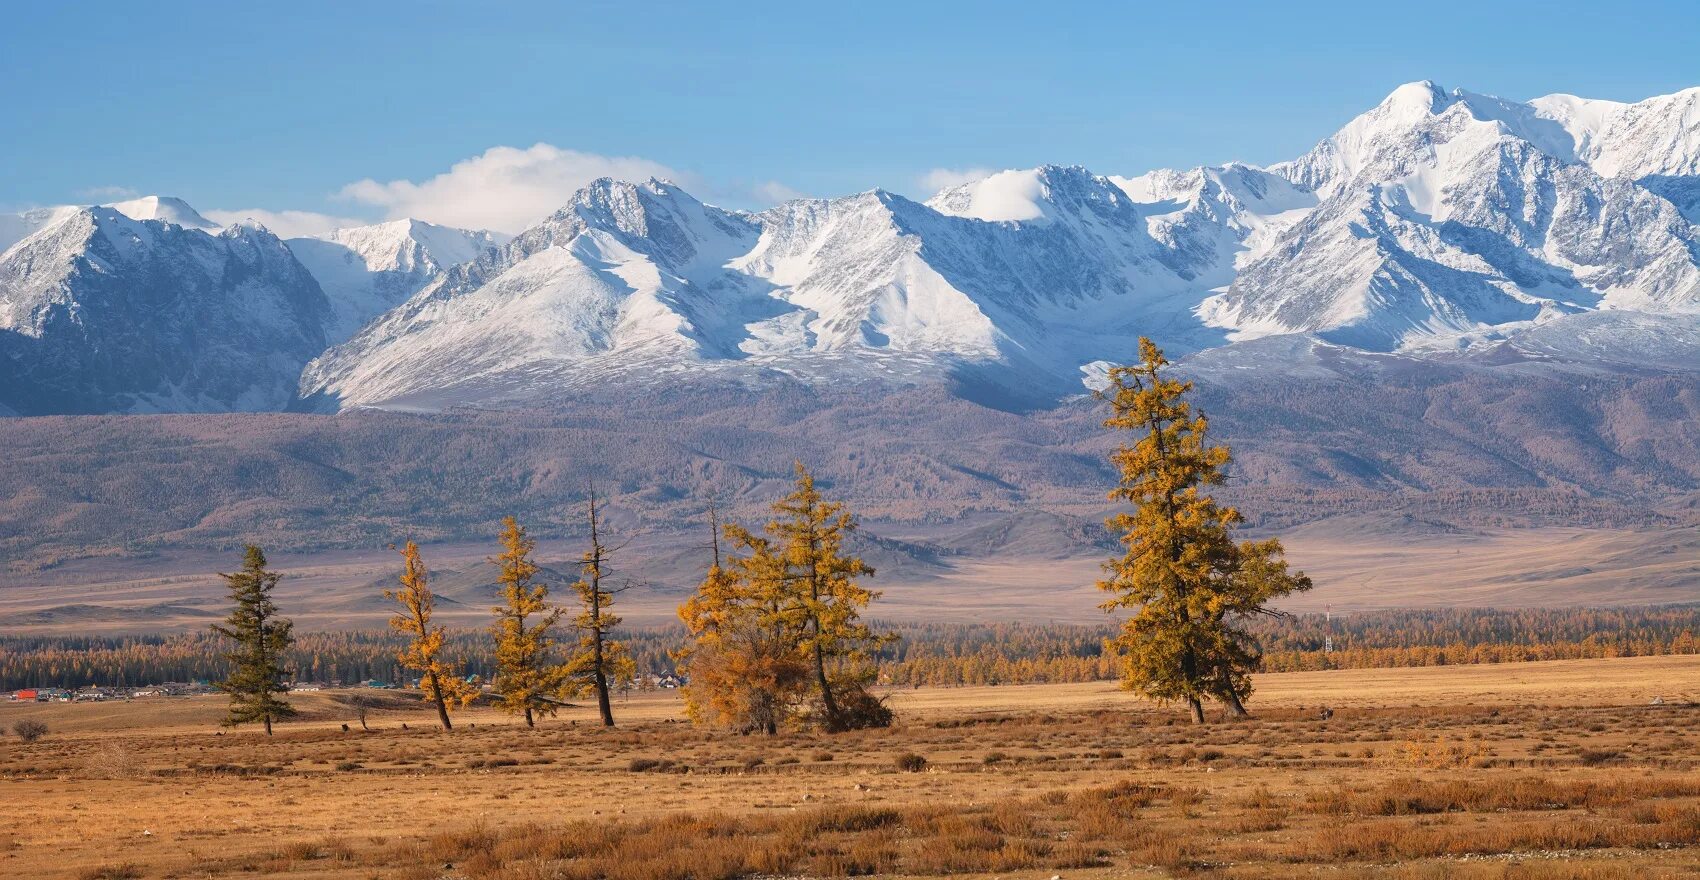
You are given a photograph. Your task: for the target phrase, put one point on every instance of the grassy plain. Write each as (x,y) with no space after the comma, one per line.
(1563,769)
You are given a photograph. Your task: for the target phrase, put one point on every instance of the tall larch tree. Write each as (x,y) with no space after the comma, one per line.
(261,637)
(527,681)
(1189,585)
(438,679)
(827,599)
(599,663)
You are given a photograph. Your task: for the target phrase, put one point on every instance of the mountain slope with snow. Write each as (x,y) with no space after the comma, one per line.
(1446,213)
(1436,220)
(645,280)
(368,270)
(101,312)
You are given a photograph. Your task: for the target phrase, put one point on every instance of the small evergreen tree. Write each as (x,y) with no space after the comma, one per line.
(261,637)
(1191,587)
(526,680)
(441,684)
(598,663)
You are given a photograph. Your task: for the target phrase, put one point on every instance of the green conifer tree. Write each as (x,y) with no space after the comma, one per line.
(261,637)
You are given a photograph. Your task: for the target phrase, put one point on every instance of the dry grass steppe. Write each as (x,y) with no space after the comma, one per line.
(1564,769)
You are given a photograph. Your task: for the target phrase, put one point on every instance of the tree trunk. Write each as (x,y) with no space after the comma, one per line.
(1189,670)
(599,674)
(833,721)
(442,704)
(268,725)
(602,689)
(1236,708)
(528,720)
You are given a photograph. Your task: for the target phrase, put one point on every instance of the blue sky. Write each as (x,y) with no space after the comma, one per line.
(264,106)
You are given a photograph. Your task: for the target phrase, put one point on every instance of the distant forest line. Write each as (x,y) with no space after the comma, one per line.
(937,655)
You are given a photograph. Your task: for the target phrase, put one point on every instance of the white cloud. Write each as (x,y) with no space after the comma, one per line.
(504,188)
(773,192)
(943,178)
(285,224)
(104,193)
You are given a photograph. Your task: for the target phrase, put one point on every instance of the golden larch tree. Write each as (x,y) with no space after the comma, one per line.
(527,681)
(744,667)
(438,679)
(1189,585)
(825,597)
(598,663)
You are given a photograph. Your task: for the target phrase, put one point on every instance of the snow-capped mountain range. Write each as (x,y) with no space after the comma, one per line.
(1440,224)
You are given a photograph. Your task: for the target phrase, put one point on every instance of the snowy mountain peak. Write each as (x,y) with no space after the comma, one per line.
(1415,99)
(655,218)
(171,210)
(109,313)
(1033,194)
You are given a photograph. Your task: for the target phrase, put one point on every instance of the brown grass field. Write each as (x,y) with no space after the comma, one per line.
(1535,770)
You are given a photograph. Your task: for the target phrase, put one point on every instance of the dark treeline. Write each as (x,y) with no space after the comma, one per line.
(928,654)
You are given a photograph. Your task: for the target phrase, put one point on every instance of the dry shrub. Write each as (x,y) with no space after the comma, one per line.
(125,871)
(909,762)
(961,844)
(860,709)
(1328,801)
(1259,798)
(653,765)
